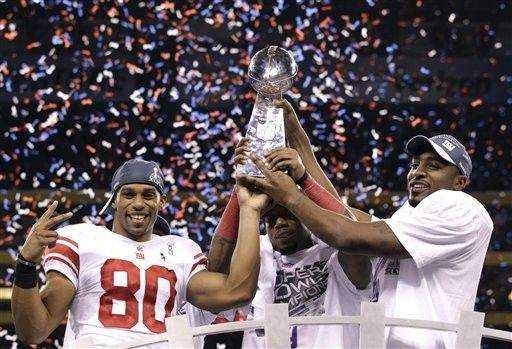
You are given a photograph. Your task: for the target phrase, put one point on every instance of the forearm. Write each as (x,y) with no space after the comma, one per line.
(31,317)
(298,139)
(245,263)
(224,240)
(343,233)
(323,198)
(219,256)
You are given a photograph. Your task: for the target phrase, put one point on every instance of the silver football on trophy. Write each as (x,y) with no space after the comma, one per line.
(271,71)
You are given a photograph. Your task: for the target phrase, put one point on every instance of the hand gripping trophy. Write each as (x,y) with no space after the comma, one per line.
(271,72)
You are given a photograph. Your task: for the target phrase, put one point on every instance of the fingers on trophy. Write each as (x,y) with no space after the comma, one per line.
(271,73)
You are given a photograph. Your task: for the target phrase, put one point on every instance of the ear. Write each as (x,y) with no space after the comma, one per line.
(163,202)
(460,182)
(113,204)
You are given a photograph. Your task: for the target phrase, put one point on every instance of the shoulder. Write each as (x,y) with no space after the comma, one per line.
(455,207)
(450,198)
(182,245)
(81,228)
(443,200)
(265,244)
(79,232)
(320,251)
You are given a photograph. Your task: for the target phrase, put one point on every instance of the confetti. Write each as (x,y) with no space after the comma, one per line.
(101,82)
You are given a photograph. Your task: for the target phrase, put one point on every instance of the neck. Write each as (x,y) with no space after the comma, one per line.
(303,243)
(117,228)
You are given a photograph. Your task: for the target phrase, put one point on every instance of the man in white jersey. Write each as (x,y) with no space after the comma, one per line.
(432,248)
(119,285)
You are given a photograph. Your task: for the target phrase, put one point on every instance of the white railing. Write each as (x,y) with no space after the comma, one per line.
(372,321)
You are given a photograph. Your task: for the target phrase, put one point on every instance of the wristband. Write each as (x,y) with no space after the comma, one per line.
(25,274)
(301,180)
(23,261)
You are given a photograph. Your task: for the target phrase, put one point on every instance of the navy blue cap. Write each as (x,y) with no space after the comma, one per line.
(138,171)
(446,146)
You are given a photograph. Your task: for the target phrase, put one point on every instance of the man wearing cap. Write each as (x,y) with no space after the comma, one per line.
(119,285)
(430,252)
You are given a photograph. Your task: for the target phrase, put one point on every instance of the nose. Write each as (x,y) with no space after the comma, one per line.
(138,202)
(280,221)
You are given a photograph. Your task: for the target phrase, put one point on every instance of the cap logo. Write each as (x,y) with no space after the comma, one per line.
(155,177)
(448,145)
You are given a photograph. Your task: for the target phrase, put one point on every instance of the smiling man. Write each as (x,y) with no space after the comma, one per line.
(119,285)
(431,250)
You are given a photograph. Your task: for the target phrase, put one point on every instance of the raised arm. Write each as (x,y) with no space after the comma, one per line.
(372,239)
(37,313)
(224,239)
(215,291)
(298,139)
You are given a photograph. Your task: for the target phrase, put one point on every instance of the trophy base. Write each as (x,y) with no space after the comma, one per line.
(249,169)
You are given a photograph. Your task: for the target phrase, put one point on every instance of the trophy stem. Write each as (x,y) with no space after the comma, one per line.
(270,97)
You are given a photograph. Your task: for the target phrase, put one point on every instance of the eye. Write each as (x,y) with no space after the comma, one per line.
(149,196)
(433,166)
(413,166)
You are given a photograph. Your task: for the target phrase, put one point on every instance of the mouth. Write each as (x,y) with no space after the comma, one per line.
(137,219)
(283,233)
(418,186)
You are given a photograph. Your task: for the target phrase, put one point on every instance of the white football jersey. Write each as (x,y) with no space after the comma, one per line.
(124,288)
(299,279)
(447,235)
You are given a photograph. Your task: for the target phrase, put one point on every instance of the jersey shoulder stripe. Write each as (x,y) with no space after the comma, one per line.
(63,250)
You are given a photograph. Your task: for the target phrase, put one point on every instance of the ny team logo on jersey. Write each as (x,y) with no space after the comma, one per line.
(139,254)
(393,267)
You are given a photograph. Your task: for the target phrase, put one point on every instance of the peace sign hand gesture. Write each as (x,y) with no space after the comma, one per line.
(42,234)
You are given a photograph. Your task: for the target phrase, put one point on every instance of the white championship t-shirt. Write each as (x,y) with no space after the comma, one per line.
(312,282)
(299,279)
(447,235)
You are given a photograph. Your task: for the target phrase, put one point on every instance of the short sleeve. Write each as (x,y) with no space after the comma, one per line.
(197,264)
(64,256)
(343,281)
(441,227)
